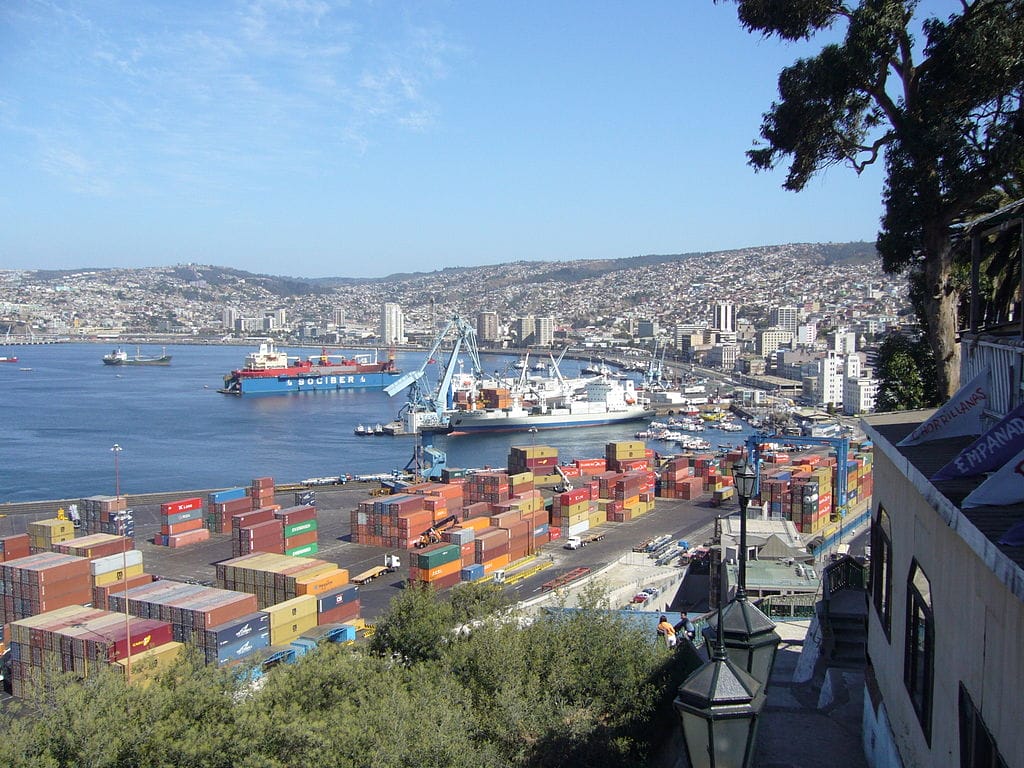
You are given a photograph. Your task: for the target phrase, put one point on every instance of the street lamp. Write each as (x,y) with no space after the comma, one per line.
(116,449)
(719,706)
(117,470)
(749,636)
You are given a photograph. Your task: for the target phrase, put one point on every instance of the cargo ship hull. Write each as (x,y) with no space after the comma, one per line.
(271,372)
(307,382)
(510,421)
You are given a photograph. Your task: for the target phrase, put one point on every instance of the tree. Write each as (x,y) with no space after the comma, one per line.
(415,627)
(950,126)
(901,385)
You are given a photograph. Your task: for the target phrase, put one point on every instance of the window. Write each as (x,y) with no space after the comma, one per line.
(881,570)
(977,747)
(919,659)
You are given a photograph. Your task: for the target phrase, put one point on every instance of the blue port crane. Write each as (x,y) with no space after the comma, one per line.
(438,400)
(840,444)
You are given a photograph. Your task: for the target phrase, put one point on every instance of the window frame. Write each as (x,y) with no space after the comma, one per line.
(881,570)
(977,747)
(919,650)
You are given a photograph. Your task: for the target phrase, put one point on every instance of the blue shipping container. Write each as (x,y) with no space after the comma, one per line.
(541,530)
(231,494)
(242,648)
(473,572)
(238,629)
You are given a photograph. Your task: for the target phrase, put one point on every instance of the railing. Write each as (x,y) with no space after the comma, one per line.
(845,573)
(788,606)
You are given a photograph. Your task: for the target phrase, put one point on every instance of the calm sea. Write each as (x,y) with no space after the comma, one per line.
(61,418)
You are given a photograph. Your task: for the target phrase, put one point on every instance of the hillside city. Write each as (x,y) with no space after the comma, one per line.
(798,319)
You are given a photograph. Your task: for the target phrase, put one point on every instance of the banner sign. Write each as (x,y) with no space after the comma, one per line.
(990,451)
(960,416)
(1004,487)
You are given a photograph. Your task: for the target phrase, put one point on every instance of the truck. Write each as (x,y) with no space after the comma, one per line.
(578,542)
(391,564)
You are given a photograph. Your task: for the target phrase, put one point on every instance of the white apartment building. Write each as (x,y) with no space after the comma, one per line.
(722,356)
(724,316)
(859,395)
(806,334)
(544,331)
(392,324)
(844,341)
(831,378)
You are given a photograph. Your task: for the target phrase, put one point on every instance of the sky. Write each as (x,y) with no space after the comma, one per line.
(315,138)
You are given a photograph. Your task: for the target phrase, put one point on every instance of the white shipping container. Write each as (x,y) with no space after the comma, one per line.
(576,530)
(110,563)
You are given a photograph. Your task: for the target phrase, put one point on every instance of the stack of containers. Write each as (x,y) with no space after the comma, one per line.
(114,569)
(679,480)
(262,492)
(221,505)
(867,486)
(265,534)
(338,605)
(491,549)
(189,608)
(489,487)
(14,547)
(181,523)
(95,545)
(520,540)
(437,565)
(462,537)
(299,529)
(99,514)
(623,455)
(274,578)
(42,582)
(775,489)
(291,618)
(538,459)
(80,640)
(234,639)
(45,533)
(394,522)
(103,589)
(633,490)
(571,511)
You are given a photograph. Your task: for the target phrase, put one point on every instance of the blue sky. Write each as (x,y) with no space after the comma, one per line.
(316,138)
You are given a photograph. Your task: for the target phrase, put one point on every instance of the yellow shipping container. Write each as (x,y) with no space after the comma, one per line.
(520,478)
(285,633)
(113,576)
(291,610)
(51,528)
(151,662)
(598,518)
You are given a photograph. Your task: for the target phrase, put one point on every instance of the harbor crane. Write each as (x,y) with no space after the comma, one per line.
(427,408)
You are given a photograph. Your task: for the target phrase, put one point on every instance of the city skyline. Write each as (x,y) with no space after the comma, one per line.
(363,140)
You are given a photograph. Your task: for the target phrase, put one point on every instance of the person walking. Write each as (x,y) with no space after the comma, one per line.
(666,629)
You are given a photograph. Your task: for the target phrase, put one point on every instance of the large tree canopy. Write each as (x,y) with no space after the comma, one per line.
(944,111)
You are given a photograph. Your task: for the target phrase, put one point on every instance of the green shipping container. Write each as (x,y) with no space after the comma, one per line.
(303,551)
(296,528)
(435,557)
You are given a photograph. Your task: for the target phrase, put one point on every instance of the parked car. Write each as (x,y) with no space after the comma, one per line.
(641,597)
(652,591)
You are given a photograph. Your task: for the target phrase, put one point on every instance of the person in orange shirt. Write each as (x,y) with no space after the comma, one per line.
(666,629)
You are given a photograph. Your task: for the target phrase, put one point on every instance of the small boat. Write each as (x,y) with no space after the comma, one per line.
(119,357)
(8,359)
(361,430)
(24,369)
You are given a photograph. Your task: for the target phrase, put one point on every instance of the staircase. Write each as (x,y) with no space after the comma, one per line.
(842,615)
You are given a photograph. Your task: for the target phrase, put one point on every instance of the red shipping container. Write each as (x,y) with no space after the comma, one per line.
(309,537)
(184,539)
(245,519)
(188,525)
(342,613)
(174,507)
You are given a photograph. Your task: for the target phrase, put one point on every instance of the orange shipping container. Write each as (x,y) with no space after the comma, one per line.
(322,582)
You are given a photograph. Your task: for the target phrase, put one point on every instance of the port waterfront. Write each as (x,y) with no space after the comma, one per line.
(61,417)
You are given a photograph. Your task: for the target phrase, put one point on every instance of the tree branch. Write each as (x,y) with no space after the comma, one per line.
(874,149)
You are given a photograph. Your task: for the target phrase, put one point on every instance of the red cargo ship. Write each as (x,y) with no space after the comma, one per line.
(268,371)
(8,359)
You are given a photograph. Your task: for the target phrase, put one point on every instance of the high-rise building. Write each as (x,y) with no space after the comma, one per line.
(785,317)
(338,316)
(724,316)
(831,377)
(392,324)
(524,329)
(544,331)
(806,334)
(487,327)
(228,316)
(647,329)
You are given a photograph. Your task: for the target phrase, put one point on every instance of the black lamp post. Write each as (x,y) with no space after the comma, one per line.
(719,706)
(750,637)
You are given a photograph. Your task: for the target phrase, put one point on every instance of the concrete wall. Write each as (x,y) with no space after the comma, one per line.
(979,622)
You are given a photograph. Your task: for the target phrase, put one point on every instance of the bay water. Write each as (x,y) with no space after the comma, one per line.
(60,419)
